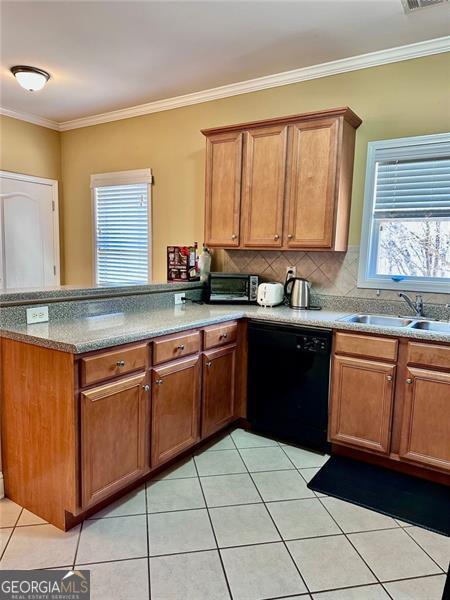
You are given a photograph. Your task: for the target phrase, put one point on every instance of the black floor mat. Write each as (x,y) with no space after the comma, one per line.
(401,496)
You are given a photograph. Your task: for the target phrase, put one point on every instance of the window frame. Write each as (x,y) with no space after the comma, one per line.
(399,148)
(135,176)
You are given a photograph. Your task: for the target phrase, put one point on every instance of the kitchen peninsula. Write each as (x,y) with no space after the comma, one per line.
(98,401)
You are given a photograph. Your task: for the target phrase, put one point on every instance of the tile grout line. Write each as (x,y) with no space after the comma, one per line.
(148,542)
(374,530)
(351,543)
(77,546)
(298,469)
(11,532)
(422,548)
(213,531)
(101,562)
(343,532)
(273,521)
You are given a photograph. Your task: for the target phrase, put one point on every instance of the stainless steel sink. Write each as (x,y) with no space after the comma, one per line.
(437,326)
(380,320)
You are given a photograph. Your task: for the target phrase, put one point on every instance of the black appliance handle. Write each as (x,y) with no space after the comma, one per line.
(290,280)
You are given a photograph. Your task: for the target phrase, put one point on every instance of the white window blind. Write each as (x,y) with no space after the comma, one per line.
(412,188)
(122,229)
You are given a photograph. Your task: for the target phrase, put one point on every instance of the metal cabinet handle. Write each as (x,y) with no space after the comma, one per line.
(180,347)
(223,336)
(120,363)
(159,381)
(388,377)
(290,236)
(233,236)
(409,381)
(146,387)
(208,363)
(276,237)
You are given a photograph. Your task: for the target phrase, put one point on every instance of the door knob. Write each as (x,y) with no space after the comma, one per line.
(389,377)
(159,381)
(223,336)
(146,387)
(276,237)
(180,347)
(409,381)
(208,363)
(120,363)
(233,236)
(290,236)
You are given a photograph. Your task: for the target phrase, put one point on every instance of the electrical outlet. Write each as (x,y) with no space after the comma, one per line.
(37,314)
(180,298)
(291,272)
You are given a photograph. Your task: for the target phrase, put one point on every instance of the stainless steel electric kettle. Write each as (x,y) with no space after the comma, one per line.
(297,291)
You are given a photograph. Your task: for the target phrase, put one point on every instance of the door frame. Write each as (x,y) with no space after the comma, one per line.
(53,184)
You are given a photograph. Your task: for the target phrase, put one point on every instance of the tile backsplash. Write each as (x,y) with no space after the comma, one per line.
(330,273)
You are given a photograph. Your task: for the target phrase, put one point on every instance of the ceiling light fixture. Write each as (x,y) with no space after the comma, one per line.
(30,78)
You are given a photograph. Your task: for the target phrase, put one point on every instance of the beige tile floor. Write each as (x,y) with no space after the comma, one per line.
(236,520)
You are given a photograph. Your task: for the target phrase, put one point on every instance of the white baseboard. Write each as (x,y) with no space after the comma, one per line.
(2,488)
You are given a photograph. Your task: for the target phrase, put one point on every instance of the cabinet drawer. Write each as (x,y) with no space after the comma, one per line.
(219,335)
(175,346)
(111,364)
(429,355)
(366,345)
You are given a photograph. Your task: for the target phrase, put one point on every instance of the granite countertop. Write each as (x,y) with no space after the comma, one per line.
(103,331)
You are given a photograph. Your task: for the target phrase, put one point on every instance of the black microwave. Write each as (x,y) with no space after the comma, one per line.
(232,288)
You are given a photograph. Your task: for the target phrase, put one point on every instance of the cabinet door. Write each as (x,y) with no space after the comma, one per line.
(361,403)
(264,187)
(218,389)
(223,189)
(175,408)
(113,437)
(312,184)
(425,435)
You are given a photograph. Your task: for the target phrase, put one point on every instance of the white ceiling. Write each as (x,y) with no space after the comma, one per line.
(111,54)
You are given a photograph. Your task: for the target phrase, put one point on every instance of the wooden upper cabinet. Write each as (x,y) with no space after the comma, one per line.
(223,189)
(175,408)
(312,184)
(114,422)
(425,432)
(263,188)
(362,397)
(295,187)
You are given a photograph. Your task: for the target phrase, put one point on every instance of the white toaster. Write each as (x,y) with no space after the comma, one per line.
(270,294)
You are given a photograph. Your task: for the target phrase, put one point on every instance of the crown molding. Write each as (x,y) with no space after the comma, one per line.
(344,65)
(29,118)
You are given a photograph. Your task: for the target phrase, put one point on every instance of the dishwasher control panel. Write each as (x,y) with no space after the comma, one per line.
(313,343)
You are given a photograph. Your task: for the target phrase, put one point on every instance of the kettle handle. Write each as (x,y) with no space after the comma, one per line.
(290,280)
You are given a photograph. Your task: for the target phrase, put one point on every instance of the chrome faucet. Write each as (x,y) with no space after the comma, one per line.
(416,306)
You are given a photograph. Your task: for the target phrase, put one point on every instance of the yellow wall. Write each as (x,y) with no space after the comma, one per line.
(29,149)
(401,99)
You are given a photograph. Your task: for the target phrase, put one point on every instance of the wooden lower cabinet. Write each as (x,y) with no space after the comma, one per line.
(219,382)
(175,408)
(114,422)
(425,433)
(361,403)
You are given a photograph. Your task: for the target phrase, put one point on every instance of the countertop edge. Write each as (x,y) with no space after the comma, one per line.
(233,314)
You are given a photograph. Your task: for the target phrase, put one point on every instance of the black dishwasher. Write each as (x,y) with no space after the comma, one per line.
(288,380)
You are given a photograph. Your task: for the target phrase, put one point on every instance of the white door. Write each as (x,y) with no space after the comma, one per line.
(29,233)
